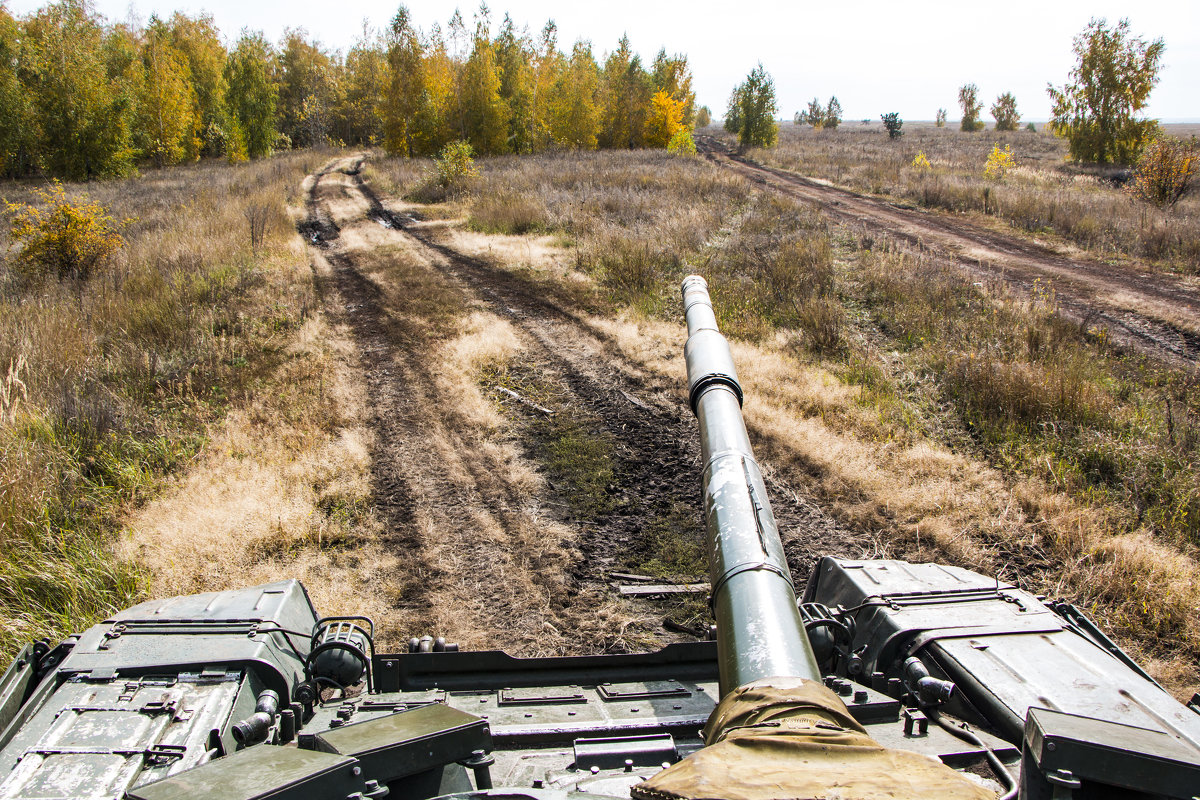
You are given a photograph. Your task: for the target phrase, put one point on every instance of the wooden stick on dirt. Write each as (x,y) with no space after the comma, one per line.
(525,402)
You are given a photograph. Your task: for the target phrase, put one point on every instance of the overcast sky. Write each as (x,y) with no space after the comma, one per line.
(909,57)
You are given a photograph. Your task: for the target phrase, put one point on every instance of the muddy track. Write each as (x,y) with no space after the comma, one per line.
(655,443)
(659,444)
(1155,314)
(358,303)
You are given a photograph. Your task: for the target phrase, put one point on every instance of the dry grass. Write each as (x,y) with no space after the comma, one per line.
(941,419)
(631,219)
(1043,195)
(396,177)
(282,490)
(1038,394)
(120,374)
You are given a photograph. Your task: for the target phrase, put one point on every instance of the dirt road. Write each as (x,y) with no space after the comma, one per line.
(491,559)
(1154,313)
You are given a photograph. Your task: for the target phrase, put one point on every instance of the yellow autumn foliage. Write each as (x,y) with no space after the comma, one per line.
(62,238)
(664,120)
(999,162)
(1165,171)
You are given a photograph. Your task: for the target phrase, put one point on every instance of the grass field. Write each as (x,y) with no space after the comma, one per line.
(931,418)
(1043,196)
(110,384)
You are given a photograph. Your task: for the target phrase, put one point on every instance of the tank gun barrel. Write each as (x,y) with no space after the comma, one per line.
(760,633)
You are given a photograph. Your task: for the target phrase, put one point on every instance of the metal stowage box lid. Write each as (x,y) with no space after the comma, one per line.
(1111,753)
(258,773)
(407,743)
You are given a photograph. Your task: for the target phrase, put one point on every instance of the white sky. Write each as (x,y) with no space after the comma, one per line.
(909,57)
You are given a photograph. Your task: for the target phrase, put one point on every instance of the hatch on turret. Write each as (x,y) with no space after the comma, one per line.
(96,739)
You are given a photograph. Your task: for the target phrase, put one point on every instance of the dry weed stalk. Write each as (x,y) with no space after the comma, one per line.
(12,390)
(256,215)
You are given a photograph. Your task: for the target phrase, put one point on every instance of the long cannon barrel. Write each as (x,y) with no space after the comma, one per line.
(778,732)
(759,630)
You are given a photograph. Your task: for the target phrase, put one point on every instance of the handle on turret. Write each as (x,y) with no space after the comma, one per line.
(759,630)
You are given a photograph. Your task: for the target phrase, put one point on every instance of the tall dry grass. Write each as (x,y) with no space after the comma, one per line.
(941,419)
(1042,395)
(1043,195)
(631,218)
(396,177)
(120,374)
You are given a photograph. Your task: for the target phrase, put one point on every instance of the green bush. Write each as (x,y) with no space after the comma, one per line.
(454,172)
(682,143)
(893,124)
(455,164)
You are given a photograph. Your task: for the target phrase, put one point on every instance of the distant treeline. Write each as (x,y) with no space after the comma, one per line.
(81,97)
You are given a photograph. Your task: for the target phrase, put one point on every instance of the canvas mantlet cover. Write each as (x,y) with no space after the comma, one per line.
(792,739)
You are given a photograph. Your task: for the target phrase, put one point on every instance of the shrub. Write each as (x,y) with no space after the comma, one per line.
(682,143)
(968,98)
(893,124)
(63,239)
(1031,128)
(1164,171)
(999,162)
(455,164)
(940,119)
(921,161)
(1004,111)
(453,174)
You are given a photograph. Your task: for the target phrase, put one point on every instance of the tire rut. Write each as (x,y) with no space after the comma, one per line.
(655,442)
(416,454)
(356,302)
(1024,266)
(661,465)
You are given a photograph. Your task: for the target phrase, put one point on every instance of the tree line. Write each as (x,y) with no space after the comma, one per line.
(1095,111)
(81,97)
